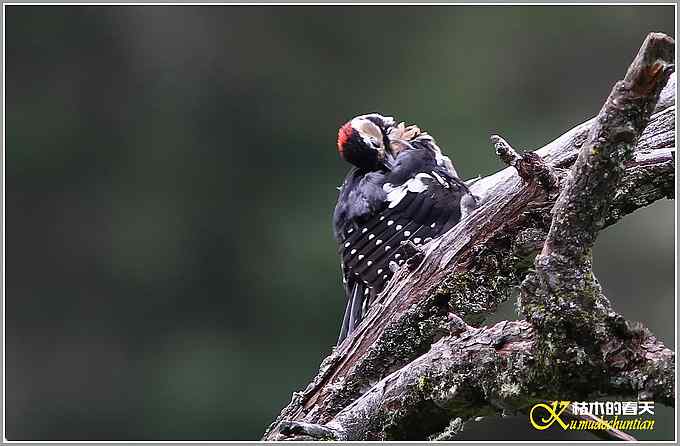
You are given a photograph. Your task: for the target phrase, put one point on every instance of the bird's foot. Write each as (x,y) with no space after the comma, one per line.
(413,254)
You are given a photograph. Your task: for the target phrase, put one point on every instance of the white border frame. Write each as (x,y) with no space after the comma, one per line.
(6,441)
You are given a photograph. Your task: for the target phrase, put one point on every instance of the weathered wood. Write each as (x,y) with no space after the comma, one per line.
(476,372)
(584,203)
(468,272)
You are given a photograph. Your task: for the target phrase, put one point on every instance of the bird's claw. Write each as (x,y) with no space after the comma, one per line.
(413,254)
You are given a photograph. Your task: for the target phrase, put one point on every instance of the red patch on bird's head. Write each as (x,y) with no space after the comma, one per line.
(344,134)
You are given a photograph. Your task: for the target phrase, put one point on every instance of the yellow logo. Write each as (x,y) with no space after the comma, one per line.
(552,411)
(593,415)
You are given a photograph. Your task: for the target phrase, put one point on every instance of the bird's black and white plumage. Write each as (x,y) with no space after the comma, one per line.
(401,188)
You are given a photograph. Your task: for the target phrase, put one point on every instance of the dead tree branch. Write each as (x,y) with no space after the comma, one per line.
(415,369)
(529,165)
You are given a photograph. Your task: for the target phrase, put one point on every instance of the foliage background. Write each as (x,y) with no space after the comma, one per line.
(171,174)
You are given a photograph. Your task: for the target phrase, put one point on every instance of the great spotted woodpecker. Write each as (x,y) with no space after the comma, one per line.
(401,189)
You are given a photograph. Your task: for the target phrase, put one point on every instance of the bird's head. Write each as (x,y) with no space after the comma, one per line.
(364,141)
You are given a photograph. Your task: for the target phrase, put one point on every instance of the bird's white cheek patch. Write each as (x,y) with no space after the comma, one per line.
(396,193)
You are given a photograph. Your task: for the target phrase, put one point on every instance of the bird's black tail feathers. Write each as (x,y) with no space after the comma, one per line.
(354,310)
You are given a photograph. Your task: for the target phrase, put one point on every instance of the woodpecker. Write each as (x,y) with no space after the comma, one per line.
(401,189)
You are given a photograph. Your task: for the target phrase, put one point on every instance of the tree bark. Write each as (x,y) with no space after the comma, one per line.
(418,365)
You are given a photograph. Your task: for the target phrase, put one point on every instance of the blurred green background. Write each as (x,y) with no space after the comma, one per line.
(171,175)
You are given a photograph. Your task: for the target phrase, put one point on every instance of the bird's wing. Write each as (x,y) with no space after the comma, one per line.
(418,210)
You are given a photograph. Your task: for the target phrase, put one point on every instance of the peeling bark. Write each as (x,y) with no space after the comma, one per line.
(415,369)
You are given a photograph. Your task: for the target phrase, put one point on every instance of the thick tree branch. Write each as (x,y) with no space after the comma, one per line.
(479,371)
(583,205)
(414,369)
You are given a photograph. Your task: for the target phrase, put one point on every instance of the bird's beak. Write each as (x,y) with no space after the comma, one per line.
(388,147)
(387,159)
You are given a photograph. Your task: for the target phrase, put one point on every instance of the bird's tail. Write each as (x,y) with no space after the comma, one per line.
(353,311)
